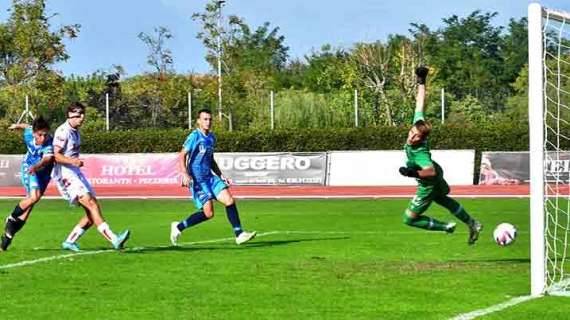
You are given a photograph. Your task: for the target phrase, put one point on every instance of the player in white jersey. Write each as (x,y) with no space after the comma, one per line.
(72,184)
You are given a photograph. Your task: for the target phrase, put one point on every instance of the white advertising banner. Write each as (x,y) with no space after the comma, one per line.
(380,168)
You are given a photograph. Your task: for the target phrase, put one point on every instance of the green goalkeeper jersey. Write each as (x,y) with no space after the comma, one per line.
(419,156)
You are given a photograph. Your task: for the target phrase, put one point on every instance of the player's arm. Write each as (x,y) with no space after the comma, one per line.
(15,126)
(186,179)
(421,78)
(421,173)
(46,160)
(218,172)
(61,159)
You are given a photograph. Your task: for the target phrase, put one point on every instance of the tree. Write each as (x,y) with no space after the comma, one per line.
(373,61)
(160,58)
(28,50)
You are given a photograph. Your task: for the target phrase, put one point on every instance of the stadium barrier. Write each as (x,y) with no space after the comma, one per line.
(507,168)
(380,168)
(338,168)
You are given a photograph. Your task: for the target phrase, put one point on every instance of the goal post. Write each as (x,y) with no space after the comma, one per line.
(549,132)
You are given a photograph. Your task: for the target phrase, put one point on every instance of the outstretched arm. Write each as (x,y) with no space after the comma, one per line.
(421,77)
(18,126)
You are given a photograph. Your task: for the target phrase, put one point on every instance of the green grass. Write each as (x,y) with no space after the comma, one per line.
(346,259)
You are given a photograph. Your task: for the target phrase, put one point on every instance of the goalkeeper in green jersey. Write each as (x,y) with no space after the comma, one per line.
(432,187)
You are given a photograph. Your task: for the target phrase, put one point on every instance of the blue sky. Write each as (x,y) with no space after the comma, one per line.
(109,28)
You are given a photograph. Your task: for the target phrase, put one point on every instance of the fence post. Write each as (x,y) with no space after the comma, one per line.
(189,110)
(442,105)
(356,108)
(107,110)
(272,110)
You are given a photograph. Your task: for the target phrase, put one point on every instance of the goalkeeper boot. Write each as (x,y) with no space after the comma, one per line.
(174,233)
(72,246)
(119,243)
(475,228)
(450,227)
(245,237)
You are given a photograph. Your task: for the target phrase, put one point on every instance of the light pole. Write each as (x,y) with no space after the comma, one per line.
(219,40)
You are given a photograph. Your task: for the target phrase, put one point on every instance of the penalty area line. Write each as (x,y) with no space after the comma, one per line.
(495,308)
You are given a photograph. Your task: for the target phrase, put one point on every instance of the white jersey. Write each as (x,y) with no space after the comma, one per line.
(68,178)
(68,139)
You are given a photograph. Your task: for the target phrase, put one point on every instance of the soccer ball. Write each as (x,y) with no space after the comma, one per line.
(505,234)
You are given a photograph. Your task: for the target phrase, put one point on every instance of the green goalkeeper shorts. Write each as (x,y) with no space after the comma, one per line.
(426,194)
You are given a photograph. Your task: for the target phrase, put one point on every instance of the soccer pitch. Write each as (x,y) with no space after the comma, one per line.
(316,259)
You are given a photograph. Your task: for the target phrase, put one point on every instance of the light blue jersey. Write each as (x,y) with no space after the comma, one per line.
(200,154)
(199,157)
(35,153)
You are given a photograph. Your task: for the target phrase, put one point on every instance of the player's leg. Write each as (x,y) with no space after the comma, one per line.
(413,215)
(203,200)
(80,228)
(458,211)
(93,210)
(225,197)
(16,220)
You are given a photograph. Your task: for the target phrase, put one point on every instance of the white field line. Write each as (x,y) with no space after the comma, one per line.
(323,196)
(492,309)
(72,255)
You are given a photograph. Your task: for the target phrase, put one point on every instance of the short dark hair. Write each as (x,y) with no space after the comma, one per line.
(75,107)
(40,123)
(203,111)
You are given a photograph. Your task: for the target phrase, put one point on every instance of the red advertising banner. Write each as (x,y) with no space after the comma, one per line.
(131,169)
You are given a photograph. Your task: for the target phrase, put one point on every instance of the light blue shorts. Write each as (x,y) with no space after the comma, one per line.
(206,190)
(37,181)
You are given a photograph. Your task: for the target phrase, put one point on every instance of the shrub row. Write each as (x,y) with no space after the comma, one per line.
(501,137)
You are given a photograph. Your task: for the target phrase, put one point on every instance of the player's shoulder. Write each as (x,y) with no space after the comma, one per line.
(62,129)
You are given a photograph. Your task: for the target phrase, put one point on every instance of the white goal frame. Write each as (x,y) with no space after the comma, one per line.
(536,113)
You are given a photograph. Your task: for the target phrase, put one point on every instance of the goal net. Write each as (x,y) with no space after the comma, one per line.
(549,123)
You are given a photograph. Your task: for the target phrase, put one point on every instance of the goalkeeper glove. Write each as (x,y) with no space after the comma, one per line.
(409,172)
(421,74)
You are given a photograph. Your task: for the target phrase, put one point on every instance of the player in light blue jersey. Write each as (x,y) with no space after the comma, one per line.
(35,172)
(201,173)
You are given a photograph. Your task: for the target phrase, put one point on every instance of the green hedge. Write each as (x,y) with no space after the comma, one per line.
(502,137)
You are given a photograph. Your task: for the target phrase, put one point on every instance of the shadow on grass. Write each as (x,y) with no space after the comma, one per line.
(230,245)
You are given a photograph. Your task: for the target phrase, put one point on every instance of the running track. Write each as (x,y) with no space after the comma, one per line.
(169,191)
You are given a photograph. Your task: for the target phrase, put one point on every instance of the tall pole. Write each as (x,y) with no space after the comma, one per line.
(219,40)
(272,110)
(189,110)
(356,108)
(442,105)
(107,110)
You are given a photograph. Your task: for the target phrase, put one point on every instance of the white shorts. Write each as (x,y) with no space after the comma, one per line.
(71,183)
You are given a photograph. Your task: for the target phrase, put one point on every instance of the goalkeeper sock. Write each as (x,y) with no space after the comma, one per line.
(456,209)
(105,230)
(192,220)
(233,217)
(424,222)
(75,234)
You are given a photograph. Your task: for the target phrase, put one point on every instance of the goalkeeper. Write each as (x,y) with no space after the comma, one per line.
(432,187)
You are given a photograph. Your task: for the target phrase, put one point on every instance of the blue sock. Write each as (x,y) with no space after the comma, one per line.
(233,217)
(192,220)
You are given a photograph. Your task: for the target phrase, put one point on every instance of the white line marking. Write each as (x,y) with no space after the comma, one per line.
(491,309)
(71,255)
